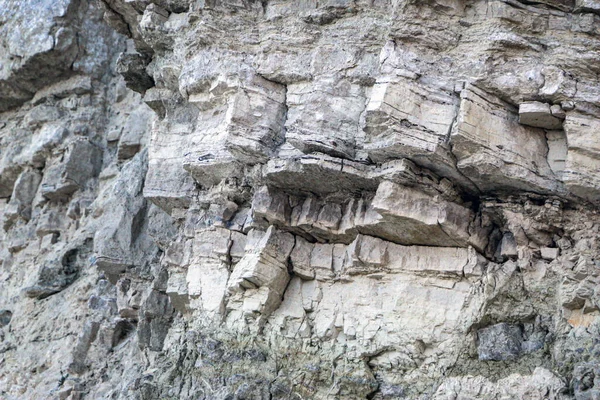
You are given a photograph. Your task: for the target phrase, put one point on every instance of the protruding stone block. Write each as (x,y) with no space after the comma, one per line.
(132,66)
(549,253)
(408,216)
(84,341)
(255,119)
(300,259)
(80,163)
(114,243)
(540,115)
(369,255)
(5,317)
(324,117)
(263,273)
(60,270)
(21,200)
(405,119)
(495,151)
(592,6)
(318,173)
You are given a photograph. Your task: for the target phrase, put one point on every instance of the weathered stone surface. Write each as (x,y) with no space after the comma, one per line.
(542,382)
(585,381)
(405,119)
(499,342)
(72,171)
(539,114)
(156,314)
(329,127)
(5,317)
(423,219)
(369,255)
(495,151)
(120,223)
(259,279)
(85,339)
(255,119)
(133,68)
(299,200)
(24,192)
(581,166)
(39,44)
(60,271)
(592,6)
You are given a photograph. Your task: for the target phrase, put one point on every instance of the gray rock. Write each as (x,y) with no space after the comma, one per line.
(499,342)
(20,204)
(585,381)
(72,171)
(133,69)
(57,274)
(5,317)
(36,56)
(84,341)
(298,200)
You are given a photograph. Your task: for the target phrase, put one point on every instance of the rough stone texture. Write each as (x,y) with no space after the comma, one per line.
(540,115)
(335,199)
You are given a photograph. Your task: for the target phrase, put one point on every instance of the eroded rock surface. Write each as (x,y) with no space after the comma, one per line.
(299,199)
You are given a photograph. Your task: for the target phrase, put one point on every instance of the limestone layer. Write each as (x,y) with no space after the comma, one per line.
(338,199)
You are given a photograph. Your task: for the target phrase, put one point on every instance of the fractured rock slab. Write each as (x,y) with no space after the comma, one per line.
(408,216)
(120,223)
(495,151)
(255,119)
(60,270)
(24,192)
(405,119)
(323,117)
(582,166)
(40,48)
(318,173)
(540,115)
(370,255)
(261,276)
(64,177)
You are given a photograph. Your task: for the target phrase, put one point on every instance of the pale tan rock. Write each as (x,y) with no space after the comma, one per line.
(581,167)
(549,253)
(405,119)
(300,259)
(261,275)
(540,115)
(495,151)
(376,143)
(423,219)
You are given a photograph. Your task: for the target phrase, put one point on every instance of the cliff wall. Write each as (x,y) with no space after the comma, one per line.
(337,199)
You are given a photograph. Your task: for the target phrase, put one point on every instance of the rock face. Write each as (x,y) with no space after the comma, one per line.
(299,199)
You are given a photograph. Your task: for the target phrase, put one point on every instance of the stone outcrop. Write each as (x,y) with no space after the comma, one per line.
(299,200)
